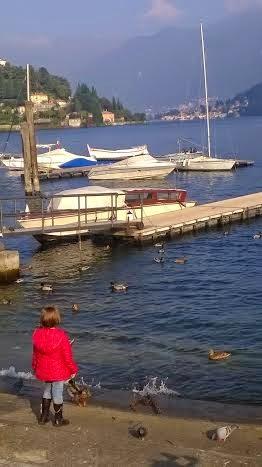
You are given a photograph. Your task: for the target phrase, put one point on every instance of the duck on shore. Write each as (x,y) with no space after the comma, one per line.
(218,355)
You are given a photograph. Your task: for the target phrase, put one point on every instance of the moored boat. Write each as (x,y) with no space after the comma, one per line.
(116,154)
(57,158)
(75,209)
(134,168)
(203,163)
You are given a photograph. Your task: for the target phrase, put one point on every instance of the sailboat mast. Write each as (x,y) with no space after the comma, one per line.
(206,94)
(28,82)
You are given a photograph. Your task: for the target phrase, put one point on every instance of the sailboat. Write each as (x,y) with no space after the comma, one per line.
(196,161)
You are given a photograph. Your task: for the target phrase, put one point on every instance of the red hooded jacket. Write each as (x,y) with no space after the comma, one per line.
(52,355)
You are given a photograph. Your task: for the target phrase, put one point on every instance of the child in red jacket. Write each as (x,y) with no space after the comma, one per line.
(52,363)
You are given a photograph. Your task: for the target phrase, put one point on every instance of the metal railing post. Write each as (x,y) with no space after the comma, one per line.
(85,209)
(42,214)
(79,219)
(142,214)
(1,215)
(52,211)
(112,210)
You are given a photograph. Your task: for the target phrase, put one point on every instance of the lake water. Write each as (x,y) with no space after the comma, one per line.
(172,314)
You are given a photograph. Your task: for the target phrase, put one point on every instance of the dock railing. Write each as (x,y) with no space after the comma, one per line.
(42,214)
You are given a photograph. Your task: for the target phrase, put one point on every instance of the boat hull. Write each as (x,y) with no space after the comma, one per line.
(99,173)
(204,165)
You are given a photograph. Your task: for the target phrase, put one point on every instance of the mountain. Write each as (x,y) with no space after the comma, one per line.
(248,103)
(165,69)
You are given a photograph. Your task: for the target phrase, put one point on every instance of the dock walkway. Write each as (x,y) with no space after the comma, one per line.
(196,218)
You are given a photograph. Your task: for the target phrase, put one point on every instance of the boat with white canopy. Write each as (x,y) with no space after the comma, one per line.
(116,154)
(57,158)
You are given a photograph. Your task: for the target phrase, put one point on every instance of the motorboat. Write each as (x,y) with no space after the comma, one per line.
(57,158)
(133,168)
(74,211)
(116,155)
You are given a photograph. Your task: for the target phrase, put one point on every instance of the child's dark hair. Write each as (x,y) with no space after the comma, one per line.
(50,317)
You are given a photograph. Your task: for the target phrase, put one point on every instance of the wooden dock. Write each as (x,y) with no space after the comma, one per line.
(197,218)
(55,174)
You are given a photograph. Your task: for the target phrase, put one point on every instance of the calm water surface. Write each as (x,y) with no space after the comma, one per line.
(172,314)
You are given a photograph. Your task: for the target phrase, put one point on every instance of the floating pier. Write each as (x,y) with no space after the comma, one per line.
(140,230)
(243,163)
(193,219)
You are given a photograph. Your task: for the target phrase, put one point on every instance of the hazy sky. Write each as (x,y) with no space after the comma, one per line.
(61,34)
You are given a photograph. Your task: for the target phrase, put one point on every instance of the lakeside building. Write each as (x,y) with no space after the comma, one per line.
(3,62)
(108,117)
(39,98)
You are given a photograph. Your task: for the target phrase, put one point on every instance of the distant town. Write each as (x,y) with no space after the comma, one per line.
(196,110)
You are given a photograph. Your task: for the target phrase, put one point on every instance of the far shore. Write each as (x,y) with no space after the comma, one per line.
(100,435)
(16,128)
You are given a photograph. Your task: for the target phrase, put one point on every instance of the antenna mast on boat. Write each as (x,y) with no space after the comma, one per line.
(28,82)
(206,94)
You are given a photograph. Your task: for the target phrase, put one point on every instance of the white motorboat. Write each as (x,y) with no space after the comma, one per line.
(57,158)
(118,154)
(136,167)
(190,161)
(95,204)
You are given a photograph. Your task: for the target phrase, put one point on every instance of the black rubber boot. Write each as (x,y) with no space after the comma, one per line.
(44,416)
(59,420)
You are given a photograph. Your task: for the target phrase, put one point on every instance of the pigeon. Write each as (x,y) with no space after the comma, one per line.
(140,432)
(118,287)
(222,433)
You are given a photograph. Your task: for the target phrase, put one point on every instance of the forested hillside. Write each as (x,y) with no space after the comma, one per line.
(13,85)
(87,100)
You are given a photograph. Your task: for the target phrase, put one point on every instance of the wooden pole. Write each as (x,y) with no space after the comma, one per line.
(27,159)
(34,167)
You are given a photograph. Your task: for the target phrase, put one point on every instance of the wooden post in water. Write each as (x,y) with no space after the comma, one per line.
(34,167)
(27,159)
